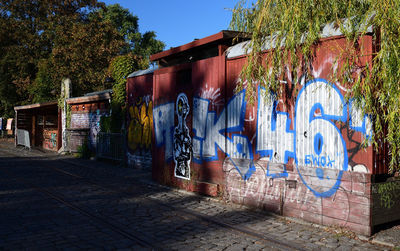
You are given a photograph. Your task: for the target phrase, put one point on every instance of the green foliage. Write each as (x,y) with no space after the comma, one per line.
(135,57)
(117,117)
(120,68)
(30,32)
(83,51)
(61,102)
(127,25)
(8,96)
(147,44)
(114,122)
(68,116)
(42,42)
(296,25)
(105,124)
(43,87)
(84,150)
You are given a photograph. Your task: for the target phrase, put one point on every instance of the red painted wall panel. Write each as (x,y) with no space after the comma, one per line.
(139,119)
(300,155)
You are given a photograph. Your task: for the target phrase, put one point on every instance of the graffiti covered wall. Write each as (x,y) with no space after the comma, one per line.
(300,156)
(50,139)
(87,116)
(308,161)
(386,197)
(174,131)
(139,120)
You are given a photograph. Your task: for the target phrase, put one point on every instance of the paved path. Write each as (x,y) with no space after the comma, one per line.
(53,202)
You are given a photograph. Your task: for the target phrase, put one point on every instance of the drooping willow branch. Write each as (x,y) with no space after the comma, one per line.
(293,27)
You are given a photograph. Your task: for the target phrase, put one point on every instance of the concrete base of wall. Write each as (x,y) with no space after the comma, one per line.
(299,196)
(386,202)
(76,138)
(346,199)
(138,161)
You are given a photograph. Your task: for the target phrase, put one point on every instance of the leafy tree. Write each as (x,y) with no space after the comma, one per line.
(120,67)
(135,56)
(297,25)
(42,42)
(147,45)
(43,87)
(127,25)
(82,51)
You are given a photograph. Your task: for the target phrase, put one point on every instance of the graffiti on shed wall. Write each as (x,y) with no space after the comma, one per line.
(139,125)
(214,96)
(315,142)
(389,193)
(94,125)
(182,140)
(163,126)
(91,120)
(50,140)
(209,133)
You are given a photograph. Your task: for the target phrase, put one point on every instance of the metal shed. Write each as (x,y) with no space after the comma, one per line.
(299,156)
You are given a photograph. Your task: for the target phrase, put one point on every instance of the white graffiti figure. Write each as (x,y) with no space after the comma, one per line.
(182,140)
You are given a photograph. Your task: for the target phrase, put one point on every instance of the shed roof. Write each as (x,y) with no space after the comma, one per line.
(91,98)
(37,105)
(222,37)
(141,73)
(329,30)
(98,92)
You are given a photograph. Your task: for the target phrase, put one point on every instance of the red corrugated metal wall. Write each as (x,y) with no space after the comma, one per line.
(139,119)
(214,80)
(291,155)
(352,129)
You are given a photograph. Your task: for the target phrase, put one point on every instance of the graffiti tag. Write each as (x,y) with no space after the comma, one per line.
(315,142)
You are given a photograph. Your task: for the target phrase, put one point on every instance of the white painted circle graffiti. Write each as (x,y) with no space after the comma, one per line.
(321,153)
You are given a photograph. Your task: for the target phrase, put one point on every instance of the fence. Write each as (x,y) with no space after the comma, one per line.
(110,146)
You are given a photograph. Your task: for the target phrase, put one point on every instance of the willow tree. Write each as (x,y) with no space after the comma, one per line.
(296,25)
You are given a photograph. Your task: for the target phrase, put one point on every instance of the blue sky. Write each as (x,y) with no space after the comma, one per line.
(177,22)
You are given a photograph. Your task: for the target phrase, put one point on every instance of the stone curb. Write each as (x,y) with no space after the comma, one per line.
(383,243)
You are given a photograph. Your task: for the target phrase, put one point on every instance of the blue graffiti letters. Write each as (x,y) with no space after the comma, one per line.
(318,138)
(315,143)
(322,161)
(209,130)
(163,117)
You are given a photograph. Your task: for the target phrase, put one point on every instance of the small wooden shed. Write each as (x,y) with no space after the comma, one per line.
(38,125)
(86,112)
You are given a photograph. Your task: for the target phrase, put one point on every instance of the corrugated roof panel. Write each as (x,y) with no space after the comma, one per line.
(329,30)
(141,72)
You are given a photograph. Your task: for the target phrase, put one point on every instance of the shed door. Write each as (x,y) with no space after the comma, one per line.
(39,130)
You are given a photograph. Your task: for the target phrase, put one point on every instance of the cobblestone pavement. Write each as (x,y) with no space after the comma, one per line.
(56,202)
